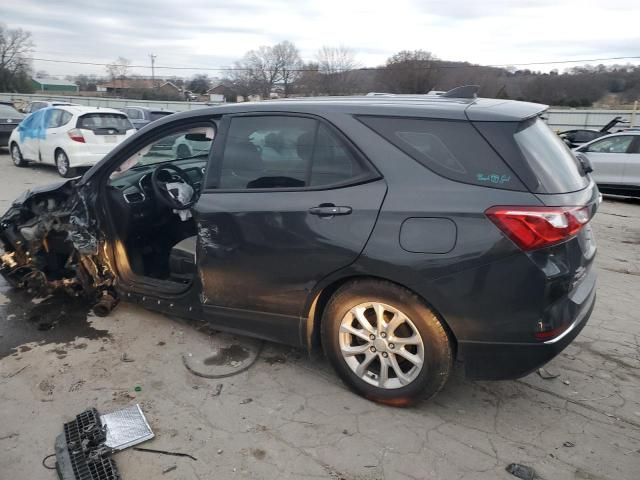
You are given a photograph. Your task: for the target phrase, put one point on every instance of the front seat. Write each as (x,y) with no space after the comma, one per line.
(182,260)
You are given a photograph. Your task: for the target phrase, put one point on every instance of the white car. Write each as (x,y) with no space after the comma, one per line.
(615,160)
(68,137)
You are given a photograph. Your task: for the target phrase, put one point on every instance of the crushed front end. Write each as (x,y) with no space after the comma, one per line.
(49,244)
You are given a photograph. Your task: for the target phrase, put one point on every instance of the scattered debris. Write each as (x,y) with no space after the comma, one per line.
(568,444)
(220,451)
(11,435)
(246,400)
(138,388)
(218,390)
(126,427)
(165,452)
(10,375)
(125,358)
(522,471)
(566,382)
(169,469)
(546,374)
(76,386)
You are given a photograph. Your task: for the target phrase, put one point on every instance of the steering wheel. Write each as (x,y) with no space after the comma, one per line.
(163,194)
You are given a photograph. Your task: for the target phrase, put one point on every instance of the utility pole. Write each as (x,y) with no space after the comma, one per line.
(153,69)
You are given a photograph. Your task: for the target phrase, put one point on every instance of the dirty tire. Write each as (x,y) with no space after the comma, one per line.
(16,156)
(183,151)
(62,164)
(437,351)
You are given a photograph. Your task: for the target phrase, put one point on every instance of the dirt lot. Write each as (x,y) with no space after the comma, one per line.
(288,416)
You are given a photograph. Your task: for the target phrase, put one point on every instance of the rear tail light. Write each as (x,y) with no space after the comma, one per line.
(537,227)
(76,135)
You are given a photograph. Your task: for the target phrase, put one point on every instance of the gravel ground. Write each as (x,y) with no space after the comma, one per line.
(288,416)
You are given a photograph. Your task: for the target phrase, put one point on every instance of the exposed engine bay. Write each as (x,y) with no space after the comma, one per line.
(48,244)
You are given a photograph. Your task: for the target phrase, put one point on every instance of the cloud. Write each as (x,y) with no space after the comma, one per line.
(213,33)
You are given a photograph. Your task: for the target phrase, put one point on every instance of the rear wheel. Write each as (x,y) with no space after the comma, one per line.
(16,156)
(63,166)
(385,343)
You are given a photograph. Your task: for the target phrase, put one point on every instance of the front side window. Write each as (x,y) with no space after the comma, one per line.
(189,143)
(618,144)
(284,152)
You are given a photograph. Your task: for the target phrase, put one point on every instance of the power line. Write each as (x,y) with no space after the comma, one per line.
(240,69)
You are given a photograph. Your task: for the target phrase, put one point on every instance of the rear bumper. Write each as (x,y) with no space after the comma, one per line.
(84,159)
(504,361)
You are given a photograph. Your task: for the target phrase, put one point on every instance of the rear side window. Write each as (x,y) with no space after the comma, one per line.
(549,158)
(133,113)
(105,121)
(450,148)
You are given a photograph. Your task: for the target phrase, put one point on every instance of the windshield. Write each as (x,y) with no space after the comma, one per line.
(9,111)
(98,121)
(549,158)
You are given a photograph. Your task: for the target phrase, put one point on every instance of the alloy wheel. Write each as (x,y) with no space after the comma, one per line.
(62,162)
(381,345)
(16,156)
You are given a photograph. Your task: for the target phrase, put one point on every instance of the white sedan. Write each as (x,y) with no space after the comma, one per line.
(68,137)
(615,160)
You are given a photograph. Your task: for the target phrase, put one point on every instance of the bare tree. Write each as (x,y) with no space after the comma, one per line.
(288,63)
(409,72)
(257,72)
(15,47)
(118,70)
(335,66)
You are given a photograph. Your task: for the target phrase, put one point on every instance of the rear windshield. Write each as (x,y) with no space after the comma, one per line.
(103,122)
(553,164)
(451,148)
(153,116)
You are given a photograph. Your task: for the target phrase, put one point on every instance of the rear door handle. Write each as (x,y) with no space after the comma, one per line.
(329,210)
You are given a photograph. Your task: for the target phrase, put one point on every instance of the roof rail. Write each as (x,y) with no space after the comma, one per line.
(466,91)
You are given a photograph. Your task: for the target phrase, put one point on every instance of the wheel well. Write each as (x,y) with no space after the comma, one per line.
(58,149)
(320,302)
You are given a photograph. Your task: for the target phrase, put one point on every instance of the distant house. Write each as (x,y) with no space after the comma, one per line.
(222,93)
(116,85)
(48,84)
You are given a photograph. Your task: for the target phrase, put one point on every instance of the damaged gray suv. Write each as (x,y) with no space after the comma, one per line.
(396,232)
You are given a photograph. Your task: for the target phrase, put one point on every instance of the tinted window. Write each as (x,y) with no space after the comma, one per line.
(98,121)
(284,152)
(332,161)
(618,144)
(66,116)
(133,113)
(549,158)
(583,136)
(453,149)
(53,118)
(153,116)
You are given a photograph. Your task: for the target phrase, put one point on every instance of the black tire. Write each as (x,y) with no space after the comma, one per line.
(437,350)
(62,165)
(183,151)
(16,156)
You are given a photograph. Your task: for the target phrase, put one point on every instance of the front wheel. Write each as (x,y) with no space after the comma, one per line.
(16,156)
(385,343)
(63,166)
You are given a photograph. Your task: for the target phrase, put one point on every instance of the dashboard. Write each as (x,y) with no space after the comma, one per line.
(133,199)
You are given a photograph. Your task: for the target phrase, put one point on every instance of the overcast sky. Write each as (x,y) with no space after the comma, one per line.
(214,33)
